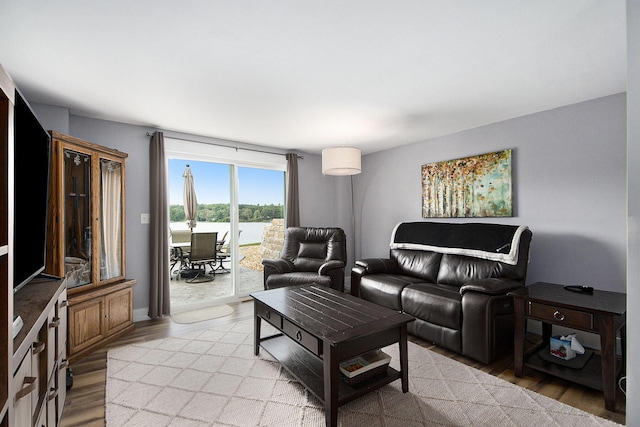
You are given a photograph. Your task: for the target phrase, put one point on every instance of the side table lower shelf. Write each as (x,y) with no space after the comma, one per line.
(308,370)
(589,376)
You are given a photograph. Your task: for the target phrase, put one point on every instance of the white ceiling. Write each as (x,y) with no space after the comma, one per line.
(305,75)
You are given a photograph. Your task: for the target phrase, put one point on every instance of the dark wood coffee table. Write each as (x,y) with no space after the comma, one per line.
(321,327)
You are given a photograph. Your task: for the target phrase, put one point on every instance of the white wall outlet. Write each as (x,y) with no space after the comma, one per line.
(145,218)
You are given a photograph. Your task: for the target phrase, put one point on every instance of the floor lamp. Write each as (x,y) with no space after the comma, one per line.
(343,161)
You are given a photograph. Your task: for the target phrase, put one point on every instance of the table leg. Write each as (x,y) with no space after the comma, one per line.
(256,331)
(518,337)
(608,357)
(547,330)
(623,345)
(404,358)
(331,378)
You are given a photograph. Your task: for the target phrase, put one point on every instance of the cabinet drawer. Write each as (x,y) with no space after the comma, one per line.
(302,337)
(561,316)
(24,387)
(269,315)
(61,337)
(53,323)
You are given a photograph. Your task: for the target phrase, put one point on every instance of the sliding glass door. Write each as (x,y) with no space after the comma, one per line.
(260,212)
(239,197)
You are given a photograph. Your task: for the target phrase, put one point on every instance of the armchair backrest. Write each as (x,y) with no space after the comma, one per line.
(307,248)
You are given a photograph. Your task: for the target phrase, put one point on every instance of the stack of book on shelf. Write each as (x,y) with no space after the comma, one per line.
(365,366)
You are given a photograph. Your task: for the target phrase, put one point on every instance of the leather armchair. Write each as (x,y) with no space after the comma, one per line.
(309,255)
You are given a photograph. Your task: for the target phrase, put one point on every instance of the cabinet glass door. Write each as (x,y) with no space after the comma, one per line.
(111,189)
(77,218)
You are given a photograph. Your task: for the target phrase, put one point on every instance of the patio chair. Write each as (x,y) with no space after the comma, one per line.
(222,254)
(202,254)
(180,242)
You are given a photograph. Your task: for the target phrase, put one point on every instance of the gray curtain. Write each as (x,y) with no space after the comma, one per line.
(159,300)
(293,201)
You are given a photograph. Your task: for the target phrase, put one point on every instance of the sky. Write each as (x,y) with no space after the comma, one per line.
(212,182)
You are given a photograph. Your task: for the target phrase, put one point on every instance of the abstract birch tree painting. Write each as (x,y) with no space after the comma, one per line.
(476,186)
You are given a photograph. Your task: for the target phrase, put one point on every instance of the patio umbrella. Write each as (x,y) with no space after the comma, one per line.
(189,198)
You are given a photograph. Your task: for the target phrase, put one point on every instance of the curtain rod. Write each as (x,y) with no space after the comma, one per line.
(221,145)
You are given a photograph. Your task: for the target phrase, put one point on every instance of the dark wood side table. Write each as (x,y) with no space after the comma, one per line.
(601,312)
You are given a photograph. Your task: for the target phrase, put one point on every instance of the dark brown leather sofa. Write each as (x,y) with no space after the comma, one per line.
(309,255)
(454,279)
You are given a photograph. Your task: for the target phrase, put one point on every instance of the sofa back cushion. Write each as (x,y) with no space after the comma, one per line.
(456,270)
(453,254)
(422,264)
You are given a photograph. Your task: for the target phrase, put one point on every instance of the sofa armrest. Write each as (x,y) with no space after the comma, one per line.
(491,286)
(278,266)
(370,266)
(326,268)
(377,265)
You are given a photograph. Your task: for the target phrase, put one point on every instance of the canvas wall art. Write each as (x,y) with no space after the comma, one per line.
(476,186)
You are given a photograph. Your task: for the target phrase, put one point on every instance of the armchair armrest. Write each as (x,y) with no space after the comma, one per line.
(279,265)
(491,286)
(377,265)
(330,265)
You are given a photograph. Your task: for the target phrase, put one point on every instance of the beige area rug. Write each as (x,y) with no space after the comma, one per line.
(211,378)
(201,314)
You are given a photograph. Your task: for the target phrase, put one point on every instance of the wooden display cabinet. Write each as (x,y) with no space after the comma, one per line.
(86,240)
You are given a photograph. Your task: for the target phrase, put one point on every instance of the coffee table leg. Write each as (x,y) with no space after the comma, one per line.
(331,378)
(404,358)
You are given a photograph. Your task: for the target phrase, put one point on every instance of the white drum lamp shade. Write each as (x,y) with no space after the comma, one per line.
(341,161)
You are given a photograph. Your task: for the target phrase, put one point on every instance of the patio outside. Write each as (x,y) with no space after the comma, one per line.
(249,272)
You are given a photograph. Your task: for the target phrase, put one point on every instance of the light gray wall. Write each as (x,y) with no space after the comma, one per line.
(53,117)
(569,188)
(325,201)
(633,159)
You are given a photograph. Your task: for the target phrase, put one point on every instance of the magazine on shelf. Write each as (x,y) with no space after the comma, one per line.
(364,362)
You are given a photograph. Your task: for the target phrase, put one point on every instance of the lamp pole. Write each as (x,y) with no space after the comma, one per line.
(344,161)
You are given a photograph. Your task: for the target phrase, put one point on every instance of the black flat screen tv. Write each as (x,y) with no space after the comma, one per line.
(31,163)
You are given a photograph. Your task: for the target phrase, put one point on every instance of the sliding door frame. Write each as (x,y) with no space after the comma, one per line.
(234,157)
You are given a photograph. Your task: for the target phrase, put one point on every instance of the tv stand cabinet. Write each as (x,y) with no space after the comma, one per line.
(39,361)
(33,365)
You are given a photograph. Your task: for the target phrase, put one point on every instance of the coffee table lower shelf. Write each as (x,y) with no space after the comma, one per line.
(307,368)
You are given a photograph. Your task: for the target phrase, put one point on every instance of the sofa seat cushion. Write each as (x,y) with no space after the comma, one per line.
(445,337)
(296,278)
(437,304)
(385,289)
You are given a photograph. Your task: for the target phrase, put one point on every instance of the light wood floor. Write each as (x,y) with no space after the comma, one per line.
(86,400)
